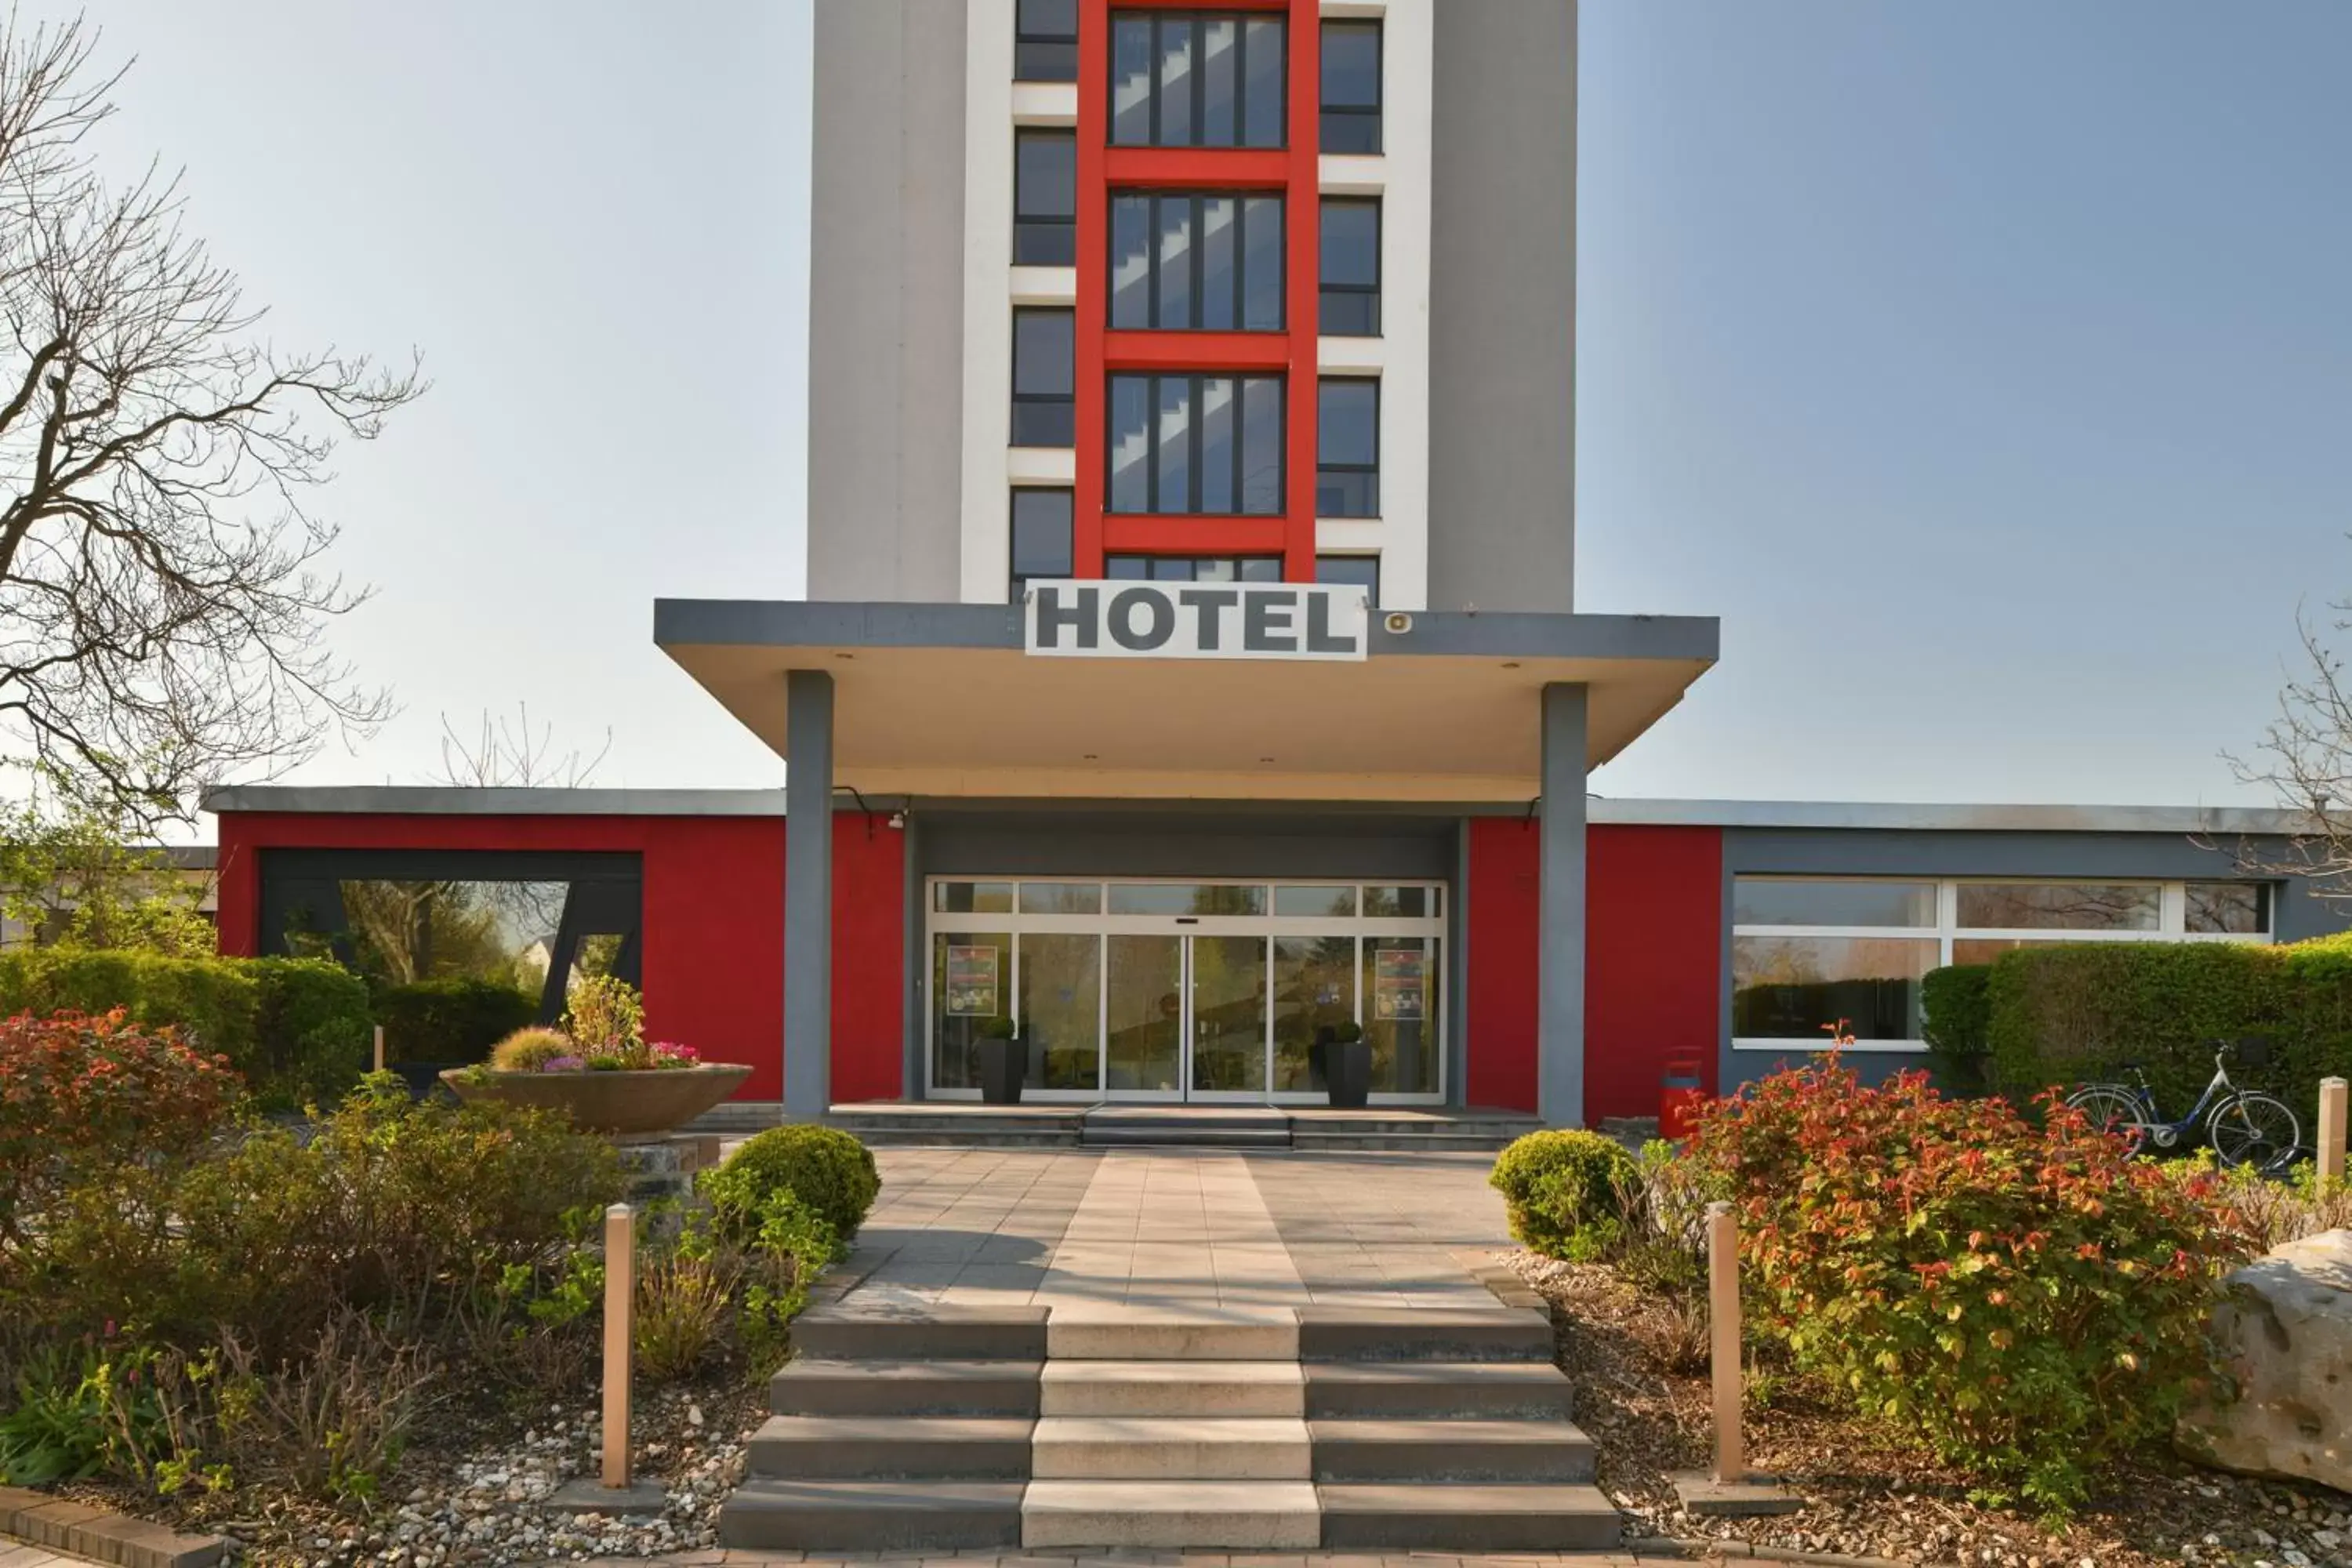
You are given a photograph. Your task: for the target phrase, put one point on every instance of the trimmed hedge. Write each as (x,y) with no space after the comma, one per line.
(1957,1004)
(452,1022)
(2066,1014)
(826,1169)
(1565,1189)
(296,1029)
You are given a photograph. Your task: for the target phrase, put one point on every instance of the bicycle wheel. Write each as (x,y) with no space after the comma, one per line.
(2114,1109)
(2253,1130)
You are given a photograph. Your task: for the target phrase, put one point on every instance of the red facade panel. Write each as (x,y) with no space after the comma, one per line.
(1503,924)
(714,921)
(1653,962)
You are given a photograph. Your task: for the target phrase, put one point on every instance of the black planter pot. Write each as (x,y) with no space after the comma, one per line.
(1348,1070)
(1003,1065)
(424,1078)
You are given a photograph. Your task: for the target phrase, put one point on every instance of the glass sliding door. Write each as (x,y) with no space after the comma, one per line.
(1143,1017)
(1061,1009)
(1228,1016)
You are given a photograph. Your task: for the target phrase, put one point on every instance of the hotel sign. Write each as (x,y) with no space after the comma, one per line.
(1196,620)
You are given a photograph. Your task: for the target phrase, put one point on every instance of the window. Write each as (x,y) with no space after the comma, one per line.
(1363,570)
(1346,447)
(1044,378)
(1041,536)
(1044,198)
(1351,277)
(1210,262)
(1193,568)
(1046,40)
(1351,87)
(1807,951)
(1208,445)
(1183,79)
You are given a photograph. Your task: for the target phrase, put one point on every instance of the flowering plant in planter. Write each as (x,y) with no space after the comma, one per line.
(580,1065)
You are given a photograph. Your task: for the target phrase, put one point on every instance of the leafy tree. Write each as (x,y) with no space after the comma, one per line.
(68,873)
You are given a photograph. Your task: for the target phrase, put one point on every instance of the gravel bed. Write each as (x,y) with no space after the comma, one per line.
(473,1488)
(1643,1396)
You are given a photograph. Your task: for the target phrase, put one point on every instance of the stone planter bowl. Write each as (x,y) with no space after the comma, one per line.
(617,1104)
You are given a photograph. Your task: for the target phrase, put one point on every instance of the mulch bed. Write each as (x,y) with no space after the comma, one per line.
(1642,1396)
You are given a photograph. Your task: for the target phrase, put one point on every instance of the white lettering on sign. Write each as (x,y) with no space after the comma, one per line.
(1196,620)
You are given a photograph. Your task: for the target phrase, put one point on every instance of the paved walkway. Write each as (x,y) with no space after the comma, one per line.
(1176,1228)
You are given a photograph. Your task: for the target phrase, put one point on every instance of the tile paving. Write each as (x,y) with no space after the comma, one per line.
(1173,1227)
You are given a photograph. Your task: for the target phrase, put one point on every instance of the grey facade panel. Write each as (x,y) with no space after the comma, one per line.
(886,268)
(1211,844)
(808,899)
(1502,307)
(1560,1006)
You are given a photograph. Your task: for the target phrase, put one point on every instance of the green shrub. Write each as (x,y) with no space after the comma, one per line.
(452,1022)
(296,1029)
(824,1167)
(1957,1005)
(2026,1299)
(2063,1014)
(406,1212)
(1566,1192)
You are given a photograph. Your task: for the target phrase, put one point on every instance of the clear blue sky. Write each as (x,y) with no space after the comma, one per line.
(1986,366)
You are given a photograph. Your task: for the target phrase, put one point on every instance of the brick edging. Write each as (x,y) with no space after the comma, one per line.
(61,1525)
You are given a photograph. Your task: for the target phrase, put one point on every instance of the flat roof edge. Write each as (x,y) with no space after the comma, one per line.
(444,800)
(438,800)
(1903,817)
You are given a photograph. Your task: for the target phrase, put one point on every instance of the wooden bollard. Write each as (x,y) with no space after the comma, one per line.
(2333,1094)
(379,1047)
(620,1313)
(1723,1355)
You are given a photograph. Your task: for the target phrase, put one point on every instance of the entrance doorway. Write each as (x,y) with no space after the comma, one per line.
(1167,991)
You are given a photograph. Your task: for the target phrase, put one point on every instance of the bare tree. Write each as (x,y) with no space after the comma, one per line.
(508,756)
(160,596)
(2305,760)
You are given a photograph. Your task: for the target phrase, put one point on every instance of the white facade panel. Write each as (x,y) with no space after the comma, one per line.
(1407,118)
(988,291)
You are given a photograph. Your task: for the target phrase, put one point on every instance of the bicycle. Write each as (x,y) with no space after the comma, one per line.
(2244,1126)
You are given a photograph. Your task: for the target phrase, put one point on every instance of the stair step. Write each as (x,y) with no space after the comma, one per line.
(1450,1451)
(966,1334)
(1446,1517)
(968,1388)
(1428,1390)
(1187,1137)
(1172,1447)
(1178,1388)
(883,1448)
(1204,1515)
(1457,1334)
(872,1516)
(1107,1332)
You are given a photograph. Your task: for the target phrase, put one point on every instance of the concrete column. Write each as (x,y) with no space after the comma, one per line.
(1560,1017)
(808,895)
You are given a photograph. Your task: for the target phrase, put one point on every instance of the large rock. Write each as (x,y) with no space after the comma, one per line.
(2285,1334)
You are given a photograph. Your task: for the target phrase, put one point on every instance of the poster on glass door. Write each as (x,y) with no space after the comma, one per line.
(1400,987)
(972,983)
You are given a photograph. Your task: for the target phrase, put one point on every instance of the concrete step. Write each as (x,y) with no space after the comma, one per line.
(774,1515)
(1450,1451)
(1437,1390)
(1384,1333)
(1450,1517)
(1179,1136)
(1235,1388)
(1170,1447)
(936,1137)
(1307,1140)
(945,1333)
(1202,1515)
(902,1388)
(1108,1332)
(884,1447)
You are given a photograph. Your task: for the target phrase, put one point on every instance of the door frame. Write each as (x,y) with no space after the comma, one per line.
(1362,929)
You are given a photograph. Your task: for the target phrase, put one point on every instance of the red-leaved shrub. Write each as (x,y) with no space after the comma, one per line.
(76,1087)
(2025,1297)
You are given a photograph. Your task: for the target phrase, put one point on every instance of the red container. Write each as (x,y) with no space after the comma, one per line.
(1680,1096)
